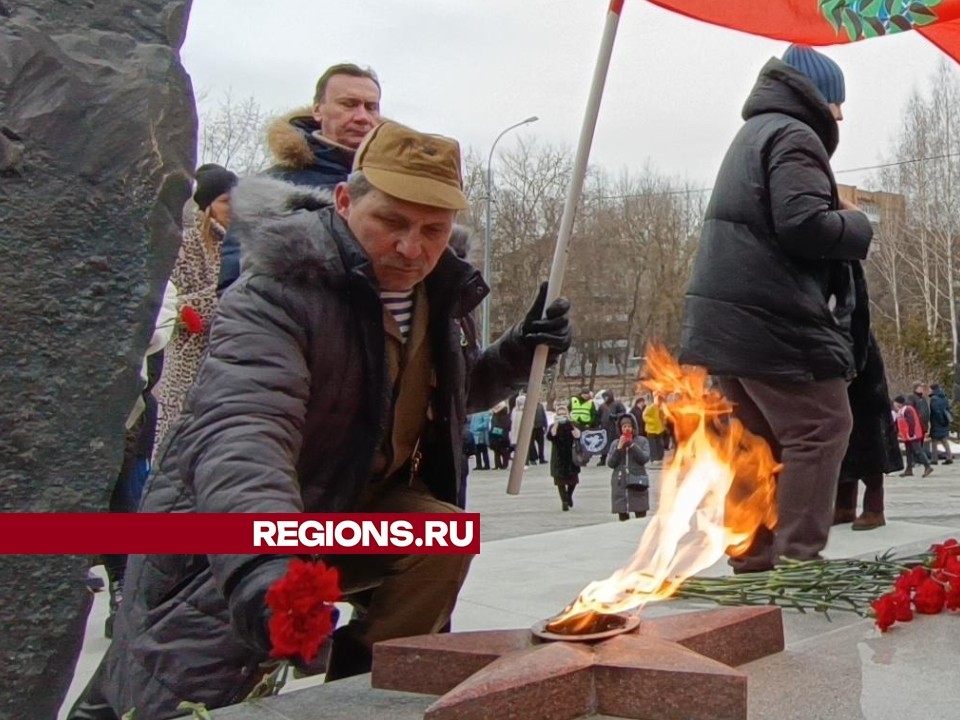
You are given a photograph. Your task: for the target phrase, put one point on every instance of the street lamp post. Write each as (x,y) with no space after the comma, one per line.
(487,232)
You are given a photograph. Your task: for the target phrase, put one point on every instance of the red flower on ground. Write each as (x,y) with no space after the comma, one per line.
(302,609)
(885,611)
(952,567)
(191,320)
(910,580)
(901,602)
(948,549)
(930,597)
(952,599)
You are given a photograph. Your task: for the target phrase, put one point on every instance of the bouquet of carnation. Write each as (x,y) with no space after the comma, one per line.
(302,618)
(928,589)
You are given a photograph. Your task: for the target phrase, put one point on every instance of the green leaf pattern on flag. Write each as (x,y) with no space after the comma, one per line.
(861,19)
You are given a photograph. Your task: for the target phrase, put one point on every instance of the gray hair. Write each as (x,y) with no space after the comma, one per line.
(358,185)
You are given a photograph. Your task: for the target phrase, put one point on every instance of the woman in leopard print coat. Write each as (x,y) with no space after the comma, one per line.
(195,276)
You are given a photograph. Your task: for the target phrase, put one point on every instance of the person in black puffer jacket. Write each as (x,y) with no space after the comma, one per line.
(772,308)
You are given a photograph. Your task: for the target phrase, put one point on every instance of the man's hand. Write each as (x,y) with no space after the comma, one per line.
(249,614)
(846,205)
(553,330)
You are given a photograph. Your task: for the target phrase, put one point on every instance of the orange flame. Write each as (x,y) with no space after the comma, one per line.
(715,493)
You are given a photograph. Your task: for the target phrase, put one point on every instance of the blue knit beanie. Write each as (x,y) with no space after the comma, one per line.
(824,72)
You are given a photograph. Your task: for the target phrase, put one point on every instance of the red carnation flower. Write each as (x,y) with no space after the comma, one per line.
(952,566)
(945,551)
(885,611)
(952,599)
(191,320)
(901,601)
(930,597)
(302,609)
(910,580)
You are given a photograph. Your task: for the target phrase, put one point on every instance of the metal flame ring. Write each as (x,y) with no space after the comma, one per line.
(631,623)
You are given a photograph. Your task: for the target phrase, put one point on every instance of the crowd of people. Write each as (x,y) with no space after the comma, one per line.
(343,261)
(625,440)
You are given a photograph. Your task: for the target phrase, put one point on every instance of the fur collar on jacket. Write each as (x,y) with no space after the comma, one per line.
(289,139)
(279,231)
(285,233)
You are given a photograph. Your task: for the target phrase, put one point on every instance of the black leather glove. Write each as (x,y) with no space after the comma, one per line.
(553,330)
(247,602)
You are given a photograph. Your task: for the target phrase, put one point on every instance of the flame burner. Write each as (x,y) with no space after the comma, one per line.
(679,667)
(586,627)
(715,494)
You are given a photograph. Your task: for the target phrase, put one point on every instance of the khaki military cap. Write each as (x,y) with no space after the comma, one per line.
(413,166)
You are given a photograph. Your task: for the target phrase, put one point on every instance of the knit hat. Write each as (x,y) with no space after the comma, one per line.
(824,72)
(212,182)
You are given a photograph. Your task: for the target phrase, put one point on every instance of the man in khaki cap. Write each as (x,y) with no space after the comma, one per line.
(339,376)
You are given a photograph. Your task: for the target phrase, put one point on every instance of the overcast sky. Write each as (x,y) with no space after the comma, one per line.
(469,68)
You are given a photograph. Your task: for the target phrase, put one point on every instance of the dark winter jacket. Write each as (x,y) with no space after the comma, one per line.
(940,415)
(562,466)
(873,446)
(773,284)
(629,482)
(500,425)
(287,413)
(920,404)
(540,418)
(301,157)
(636,413)
(608,414)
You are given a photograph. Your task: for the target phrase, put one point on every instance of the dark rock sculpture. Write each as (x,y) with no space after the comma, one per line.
(97,140)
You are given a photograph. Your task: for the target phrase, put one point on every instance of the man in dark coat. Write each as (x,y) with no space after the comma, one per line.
(607,416)
(918,401)
(315,146)
(537,449)
(770,305)
(338,379)
(639,405)
(941,417)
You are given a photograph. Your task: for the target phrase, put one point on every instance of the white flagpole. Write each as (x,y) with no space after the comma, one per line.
(559,266)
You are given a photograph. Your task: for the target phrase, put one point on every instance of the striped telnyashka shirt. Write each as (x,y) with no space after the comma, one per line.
(400,305)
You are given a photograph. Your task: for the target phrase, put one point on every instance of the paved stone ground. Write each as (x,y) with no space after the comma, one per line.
(934,500)
(535,558)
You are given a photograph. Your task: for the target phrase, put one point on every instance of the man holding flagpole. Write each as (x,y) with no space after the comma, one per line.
(777,304)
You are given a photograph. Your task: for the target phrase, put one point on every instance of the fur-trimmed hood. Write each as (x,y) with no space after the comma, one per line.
(290,232)
(280,231)
(295,143)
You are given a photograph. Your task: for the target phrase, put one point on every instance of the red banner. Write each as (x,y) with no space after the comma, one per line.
(240,533)
(830,22)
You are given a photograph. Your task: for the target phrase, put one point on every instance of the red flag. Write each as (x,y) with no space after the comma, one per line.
(830,22)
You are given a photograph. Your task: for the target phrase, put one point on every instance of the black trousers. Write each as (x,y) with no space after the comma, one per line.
(482,456)
(537,446)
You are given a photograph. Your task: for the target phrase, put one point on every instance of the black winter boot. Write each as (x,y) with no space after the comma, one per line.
(348,657)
